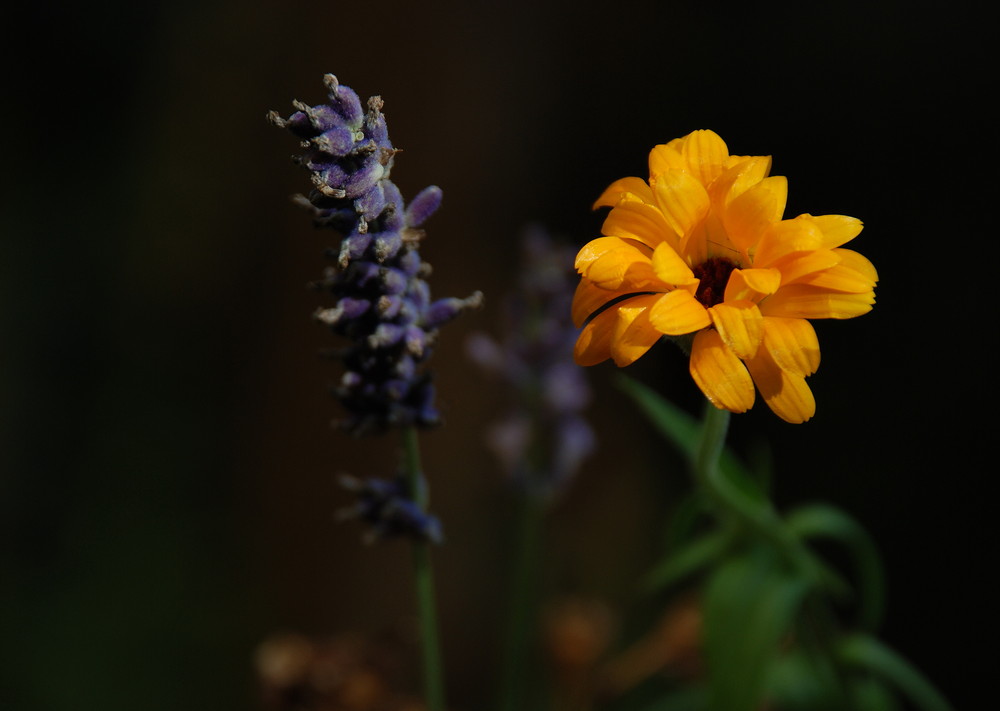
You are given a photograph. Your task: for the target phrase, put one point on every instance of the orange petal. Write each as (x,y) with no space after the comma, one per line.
(705,154)
(836,229)
(593,346)
(792,344)
(633,219)
(682,199)
(633,335)
(666,156)
(839,278)
(721,376)
(740,325)
(588,298)
(752,284)
(857,262)
(742,174)
(785,393)
(797,265)
(678,312)
(617,190)
(805,301)
(593,250)
(785,237)
(748,216)
(670,268)
(625,264)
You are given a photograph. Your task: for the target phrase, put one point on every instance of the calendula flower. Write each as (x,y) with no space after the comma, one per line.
(702,254)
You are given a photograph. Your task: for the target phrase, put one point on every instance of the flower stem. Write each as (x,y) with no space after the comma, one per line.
(736,504)
(424,579)
(518,643)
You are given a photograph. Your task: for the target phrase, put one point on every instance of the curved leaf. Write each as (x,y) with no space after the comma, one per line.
(825,521)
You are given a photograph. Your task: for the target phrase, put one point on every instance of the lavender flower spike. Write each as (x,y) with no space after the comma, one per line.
(382,303)
(543,439)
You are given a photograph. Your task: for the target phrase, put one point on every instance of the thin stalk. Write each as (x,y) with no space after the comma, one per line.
(519,641)
(424,580)
(734,504)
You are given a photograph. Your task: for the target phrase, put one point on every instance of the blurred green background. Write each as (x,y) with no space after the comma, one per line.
(166,463)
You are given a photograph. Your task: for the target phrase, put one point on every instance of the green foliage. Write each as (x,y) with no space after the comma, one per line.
(772,633)
(750,603)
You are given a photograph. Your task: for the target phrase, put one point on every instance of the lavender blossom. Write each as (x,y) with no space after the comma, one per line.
(543,439)
(387,506)
(382,304)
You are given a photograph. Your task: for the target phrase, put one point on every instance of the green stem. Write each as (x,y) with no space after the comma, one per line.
(518,644)
(424,579)
(736,504)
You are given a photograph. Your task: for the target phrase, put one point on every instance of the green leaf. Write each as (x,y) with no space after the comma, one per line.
(870,694)
(687,560)
(684,520)
(750,603)
(801,680)
(684,432)
(824,521)
(679,427)
(867,653)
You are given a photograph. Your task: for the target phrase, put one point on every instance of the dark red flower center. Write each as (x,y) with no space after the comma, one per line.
(714,275)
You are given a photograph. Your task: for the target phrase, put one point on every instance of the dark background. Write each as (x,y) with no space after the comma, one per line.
(166,462)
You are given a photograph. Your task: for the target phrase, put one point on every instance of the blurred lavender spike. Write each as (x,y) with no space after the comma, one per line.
(543,438)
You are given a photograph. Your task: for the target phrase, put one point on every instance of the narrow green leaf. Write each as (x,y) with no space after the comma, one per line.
(687,560)
(684,519)
(825,521)
(680,428)
(867,653)
(684,432)
(750,603)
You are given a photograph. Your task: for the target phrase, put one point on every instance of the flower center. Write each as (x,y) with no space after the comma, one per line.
(714,275)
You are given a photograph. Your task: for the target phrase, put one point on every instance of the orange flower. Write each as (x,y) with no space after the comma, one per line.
(701,252)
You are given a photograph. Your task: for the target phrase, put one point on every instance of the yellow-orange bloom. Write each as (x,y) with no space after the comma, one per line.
(701,250)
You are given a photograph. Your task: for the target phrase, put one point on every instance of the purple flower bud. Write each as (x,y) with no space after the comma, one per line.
(363,179)
(375,129)
(565,387)
(423,205)
(388,507)
(353,247)
(344,101)
(371,204)
(405,367)
(386,245)
(337,141)
(394,281)
(347,309)
(363,274)
(485,352)
(350,379)
(394,211)
(385,335)
(409,262)
(444,310)
(575,442)
(416,340)
(389,306)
